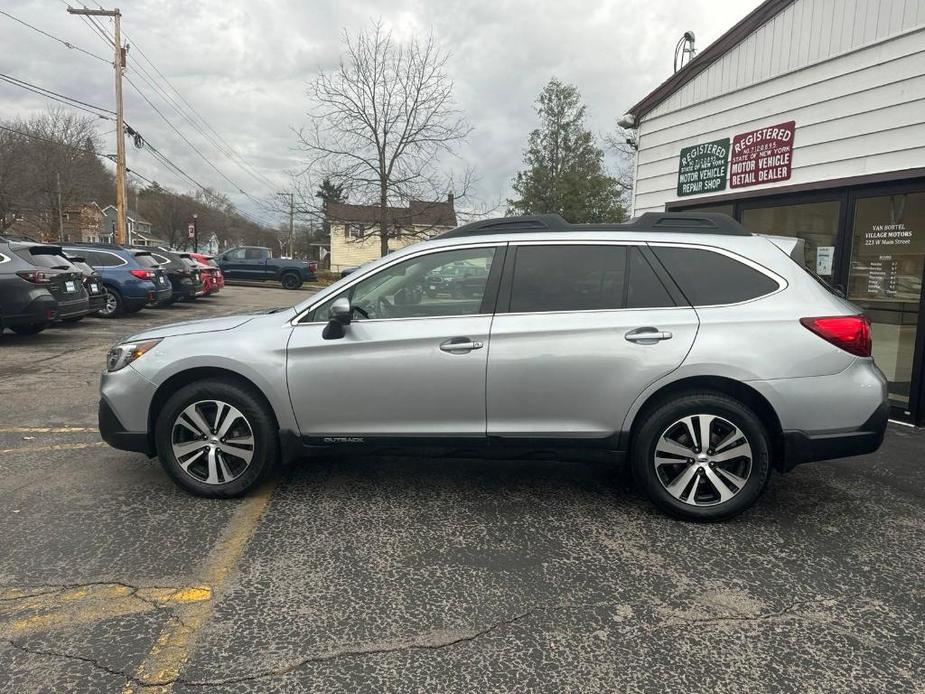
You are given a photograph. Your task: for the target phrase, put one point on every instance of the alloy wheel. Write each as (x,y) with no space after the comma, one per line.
(703,460)
(111,305)
(212,441)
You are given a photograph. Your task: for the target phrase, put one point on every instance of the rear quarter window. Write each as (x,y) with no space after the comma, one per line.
(147,260)
(708,278)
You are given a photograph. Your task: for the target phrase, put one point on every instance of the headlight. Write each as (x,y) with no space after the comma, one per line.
(124,354)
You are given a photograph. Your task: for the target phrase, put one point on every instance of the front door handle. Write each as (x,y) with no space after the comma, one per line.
(460,345)
(647,336)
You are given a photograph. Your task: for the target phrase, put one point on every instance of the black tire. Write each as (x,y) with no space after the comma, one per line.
(29,328)
(290,280)
(258,416)
(115,305)
(660,421)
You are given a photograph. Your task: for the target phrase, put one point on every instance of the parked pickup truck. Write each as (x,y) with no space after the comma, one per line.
(257,263)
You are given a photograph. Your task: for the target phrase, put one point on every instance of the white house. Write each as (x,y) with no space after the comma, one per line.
(807,118)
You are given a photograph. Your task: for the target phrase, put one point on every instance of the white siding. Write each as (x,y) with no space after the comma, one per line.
(851,73)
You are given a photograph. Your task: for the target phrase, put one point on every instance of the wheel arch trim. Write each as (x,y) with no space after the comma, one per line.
(735,388)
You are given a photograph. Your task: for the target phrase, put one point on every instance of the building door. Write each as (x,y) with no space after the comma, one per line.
(885,280)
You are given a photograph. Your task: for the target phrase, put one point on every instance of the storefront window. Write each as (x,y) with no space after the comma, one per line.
(887,260)
(722,209)
(814,222)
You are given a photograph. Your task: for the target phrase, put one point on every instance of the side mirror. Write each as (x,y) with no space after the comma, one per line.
(339,316)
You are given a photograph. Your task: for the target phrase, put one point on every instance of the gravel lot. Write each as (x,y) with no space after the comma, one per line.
(426,574)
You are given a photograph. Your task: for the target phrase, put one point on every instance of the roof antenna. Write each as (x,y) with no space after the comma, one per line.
(684,51)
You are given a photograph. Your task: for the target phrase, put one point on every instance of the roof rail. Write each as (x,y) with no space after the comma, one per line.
(502,225)
(95,244)
(675,222)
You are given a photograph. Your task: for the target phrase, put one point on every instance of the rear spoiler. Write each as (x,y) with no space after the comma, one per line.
(792,246)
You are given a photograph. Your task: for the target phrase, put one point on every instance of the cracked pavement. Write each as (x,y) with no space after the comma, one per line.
(423,574)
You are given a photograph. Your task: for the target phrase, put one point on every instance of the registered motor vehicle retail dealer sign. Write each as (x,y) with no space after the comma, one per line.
(762,156)
(702,168)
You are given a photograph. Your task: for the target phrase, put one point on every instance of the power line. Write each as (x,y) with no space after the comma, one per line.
(67,44)
(102,32)
(109,157)
(190,144)
(55,96)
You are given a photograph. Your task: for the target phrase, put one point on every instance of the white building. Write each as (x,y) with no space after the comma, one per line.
(807,118)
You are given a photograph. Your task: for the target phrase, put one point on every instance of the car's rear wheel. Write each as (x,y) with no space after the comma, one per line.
(29,328)
(290,280)
(702,456)
(114,305)
(217,438)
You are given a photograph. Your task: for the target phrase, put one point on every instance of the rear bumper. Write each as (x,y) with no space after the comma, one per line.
(113,432)
(806,447)
(42,309)
(74,308)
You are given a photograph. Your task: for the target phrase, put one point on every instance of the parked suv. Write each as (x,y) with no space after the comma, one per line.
(132,279)
(700,353)
(258,263)
(181,270)
(38,285)
(92,282)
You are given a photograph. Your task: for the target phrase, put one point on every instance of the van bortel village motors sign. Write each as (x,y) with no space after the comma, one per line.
(762,156)
(702,168)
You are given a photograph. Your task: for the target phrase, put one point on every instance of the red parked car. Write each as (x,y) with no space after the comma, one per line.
(212,278)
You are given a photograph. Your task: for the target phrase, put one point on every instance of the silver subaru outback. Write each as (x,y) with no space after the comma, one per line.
(699,353)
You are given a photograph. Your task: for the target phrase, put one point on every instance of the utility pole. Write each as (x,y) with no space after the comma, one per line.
(60,212)
(195,233)
(291,221)
(119,65)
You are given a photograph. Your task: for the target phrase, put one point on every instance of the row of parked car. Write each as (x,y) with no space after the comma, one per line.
(43,283)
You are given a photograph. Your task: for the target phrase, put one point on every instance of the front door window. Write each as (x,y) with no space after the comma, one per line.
(887,260)
(448,283)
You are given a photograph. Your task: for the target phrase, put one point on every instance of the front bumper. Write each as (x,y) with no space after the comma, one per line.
(113,432)
(806,447)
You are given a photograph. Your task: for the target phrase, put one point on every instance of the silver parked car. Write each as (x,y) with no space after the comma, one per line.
(700,353)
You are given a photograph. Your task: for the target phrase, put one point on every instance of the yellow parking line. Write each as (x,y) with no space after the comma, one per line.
(28,610)
(55,447)
(171,650)
(45,430)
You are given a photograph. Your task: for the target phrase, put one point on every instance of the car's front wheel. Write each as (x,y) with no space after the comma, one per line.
(702,456)
(217,438)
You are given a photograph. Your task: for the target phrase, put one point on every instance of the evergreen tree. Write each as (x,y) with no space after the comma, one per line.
(565,171)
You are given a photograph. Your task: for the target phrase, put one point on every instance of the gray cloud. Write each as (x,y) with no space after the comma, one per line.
(244,66)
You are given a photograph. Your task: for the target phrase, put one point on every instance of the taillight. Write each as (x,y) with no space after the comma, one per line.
(312,267)
(850,333)
(143,274)
(34,276)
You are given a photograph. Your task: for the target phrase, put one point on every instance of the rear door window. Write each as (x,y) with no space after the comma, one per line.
(256,253)
(708,278)
(102,259)
(568,278)
(644,288)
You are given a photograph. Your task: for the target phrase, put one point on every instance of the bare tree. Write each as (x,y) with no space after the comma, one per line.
(50,157)
(382,121)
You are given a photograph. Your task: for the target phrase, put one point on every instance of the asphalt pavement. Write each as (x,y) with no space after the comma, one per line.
(426,574)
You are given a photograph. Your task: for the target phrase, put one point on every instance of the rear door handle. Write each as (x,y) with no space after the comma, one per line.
(460,345)
(647,336)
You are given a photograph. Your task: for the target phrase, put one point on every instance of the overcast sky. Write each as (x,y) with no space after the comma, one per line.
(244,66)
